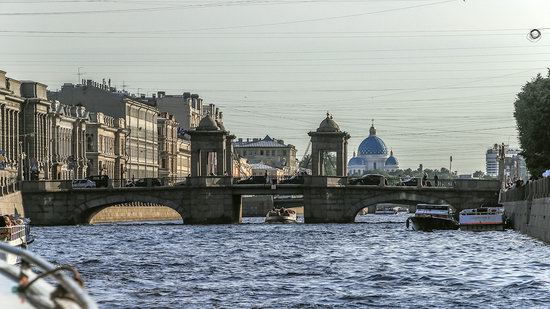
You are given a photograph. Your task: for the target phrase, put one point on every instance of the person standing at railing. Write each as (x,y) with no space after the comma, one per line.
(436,180)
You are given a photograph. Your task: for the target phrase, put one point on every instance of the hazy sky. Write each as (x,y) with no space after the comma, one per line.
(439,78)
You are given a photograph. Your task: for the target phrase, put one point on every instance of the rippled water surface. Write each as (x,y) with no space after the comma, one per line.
(377,264)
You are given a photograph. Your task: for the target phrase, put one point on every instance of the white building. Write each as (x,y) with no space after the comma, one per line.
(514,163)
(372,154)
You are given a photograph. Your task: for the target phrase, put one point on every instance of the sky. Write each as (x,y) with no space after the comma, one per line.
(439,78)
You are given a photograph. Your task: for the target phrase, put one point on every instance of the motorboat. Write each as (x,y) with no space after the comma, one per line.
(281,215)
(14,232)
(482,219)
(429,217)
(49,287)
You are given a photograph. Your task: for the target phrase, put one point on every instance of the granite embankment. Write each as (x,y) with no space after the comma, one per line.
(529,208)
(11,204)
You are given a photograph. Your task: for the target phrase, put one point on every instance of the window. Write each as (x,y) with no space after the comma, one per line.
(261,152)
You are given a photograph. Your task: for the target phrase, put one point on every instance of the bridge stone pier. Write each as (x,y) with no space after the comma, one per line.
(210,198)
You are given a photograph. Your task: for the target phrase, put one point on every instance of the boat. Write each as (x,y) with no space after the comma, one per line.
(482,219)
(21,287)
(430,217)
(14,232)
(385,210)
(281,215)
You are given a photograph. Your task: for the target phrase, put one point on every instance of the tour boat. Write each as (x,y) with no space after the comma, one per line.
(282,215)
(21,287)
(15,233)
(482,219)
(433,217)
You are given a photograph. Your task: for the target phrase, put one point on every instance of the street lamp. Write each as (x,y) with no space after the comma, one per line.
(21,156)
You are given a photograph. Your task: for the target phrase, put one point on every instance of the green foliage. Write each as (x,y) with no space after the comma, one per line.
(532,113)
(478,174)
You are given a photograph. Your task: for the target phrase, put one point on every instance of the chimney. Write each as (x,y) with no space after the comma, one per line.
(195,96)
(186,95)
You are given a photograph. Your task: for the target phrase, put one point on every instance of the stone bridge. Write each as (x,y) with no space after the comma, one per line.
(215,200)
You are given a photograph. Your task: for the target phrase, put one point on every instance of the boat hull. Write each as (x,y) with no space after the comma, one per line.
(482,227)
(431,223)
(280,219)
(482,219)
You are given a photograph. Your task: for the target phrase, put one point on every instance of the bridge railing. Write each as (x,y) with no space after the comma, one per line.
(531,190)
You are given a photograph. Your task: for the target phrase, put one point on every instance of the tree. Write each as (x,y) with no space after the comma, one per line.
(478,174)
(532,113)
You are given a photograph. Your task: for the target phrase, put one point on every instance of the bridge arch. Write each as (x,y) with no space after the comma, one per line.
(394,197)
(84,212)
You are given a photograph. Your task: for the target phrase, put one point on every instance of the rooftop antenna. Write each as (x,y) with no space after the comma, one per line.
(79,74)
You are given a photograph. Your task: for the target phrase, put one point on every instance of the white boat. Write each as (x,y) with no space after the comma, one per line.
(482,219)
(21,287)
(15,233)
(433,217)
(282,215)
(385,212)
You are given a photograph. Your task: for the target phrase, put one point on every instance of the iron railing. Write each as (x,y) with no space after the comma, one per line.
(12,232)
(531,190)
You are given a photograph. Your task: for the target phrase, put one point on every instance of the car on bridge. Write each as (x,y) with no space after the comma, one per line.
(145,182)
(296,179)
(369,180)
(412,182)
(252,180)
(101,181)
(82,183)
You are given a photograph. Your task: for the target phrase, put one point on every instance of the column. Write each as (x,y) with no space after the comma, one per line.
(2,132)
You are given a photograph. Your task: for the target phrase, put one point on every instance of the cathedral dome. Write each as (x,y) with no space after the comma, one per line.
(391,160)
(372,145)
(357,161)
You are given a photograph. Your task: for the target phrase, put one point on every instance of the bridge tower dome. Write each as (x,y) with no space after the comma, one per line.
(211,149)
(328,138)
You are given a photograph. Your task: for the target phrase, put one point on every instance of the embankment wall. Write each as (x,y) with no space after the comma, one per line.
(530,217)
(529,208)
(12,204)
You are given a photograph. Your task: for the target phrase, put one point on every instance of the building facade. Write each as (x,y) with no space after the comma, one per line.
(140,119)
(372,154)
(188,109)
(106,146)
(270,151)
(514,163)
(67,126)
(183,158)
(168,146)
(10,111)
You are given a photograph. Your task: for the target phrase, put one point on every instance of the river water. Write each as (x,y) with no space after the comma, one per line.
(376,263)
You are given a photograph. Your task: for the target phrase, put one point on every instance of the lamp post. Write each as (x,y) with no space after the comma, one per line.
(451,166)
(20,163)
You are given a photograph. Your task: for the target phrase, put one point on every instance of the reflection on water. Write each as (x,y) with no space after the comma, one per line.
(378,263)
